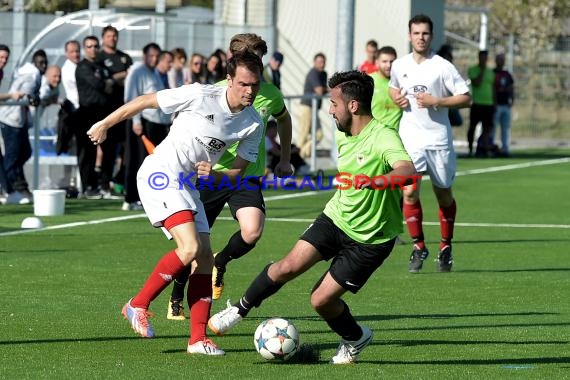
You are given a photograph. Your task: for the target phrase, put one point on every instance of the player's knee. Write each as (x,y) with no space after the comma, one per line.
(283,271)
(319,303)
(251,234)
(188,252)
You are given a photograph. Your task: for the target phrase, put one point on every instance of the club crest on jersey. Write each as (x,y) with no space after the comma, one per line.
(263,111)
(419,88)
(212,144)
(360,159)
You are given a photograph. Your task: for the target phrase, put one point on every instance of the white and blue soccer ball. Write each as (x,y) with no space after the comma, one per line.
(276,339)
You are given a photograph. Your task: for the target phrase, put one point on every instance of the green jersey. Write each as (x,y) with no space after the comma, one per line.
(268,102)
(482,94)
(383,107)
(368,216)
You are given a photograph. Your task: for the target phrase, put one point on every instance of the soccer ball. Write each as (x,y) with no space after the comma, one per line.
(276,339)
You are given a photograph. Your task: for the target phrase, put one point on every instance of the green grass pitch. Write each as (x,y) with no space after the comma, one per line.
(503,313)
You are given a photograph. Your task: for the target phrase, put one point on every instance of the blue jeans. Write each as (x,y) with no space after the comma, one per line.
(503,118)
(17,151)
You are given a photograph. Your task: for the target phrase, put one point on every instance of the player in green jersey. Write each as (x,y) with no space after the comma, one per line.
(383,107)
(357,228)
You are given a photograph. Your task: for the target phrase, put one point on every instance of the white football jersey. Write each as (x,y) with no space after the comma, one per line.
(204,127)
(426,128)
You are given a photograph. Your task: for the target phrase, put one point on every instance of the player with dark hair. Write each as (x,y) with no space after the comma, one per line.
(246,203)
(425,85)
(357,228)
(209,119)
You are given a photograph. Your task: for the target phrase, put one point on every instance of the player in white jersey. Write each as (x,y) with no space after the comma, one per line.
(208,120)
(425,85)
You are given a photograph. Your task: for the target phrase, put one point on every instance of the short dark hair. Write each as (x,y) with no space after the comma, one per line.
(355,85)
(179,52)
(4,48)
(245,58)
(71,42)
(90,37)
(109,28)
(151,45)
(420,19)
(387,50)
(322,55)
(164,53)
(39,53)
(372,43)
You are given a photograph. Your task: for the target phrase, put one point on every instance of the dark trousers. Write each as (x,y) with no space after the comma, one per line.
(112,148)
(86,150)
(17,150)
(483,114)
(135,153)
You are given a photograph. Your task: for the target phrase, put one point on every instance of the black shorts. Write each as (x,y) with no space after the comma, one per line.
(352,263)
(247,195)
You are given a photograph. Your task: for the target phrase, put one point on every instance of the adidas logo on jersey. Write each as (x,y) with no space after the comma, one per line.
(210,118)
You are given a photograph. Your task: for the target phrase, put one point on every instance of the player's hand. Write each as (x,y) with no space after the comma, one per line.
(17,95)
(137,129)
(283,169)
(426,100)
(401,99)
(203,168)
(97,133)
(362,181)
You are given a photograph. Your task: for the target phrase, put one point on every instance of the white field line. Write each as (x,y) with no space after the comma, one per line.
(311,193)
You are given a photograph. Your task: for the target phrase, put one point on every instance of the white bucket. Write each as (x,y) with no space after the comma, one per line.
(49,202)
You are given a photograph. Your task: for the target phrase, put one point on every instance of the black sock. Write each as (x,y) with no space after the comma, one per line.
(179,283)
(261,288)
(235,249)
(345,325)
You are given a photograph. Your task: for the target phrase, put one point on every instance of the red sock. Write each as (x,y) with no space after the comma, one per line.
(446,223)
(200,301)
(414,217)
(167,268)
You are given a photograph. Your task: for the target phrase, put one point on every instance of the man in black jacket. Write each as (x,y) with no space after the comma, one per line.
(94,84)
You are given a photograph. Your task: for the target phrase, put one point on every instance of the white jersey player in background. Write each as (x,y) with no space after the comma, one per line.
(208,120)
(425,86)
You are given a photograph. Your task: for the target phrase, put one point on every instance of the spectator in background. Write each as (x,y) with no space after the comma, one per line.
(4,56)
(49,89)
(271,73)
(163,67)
(4,184)
(223,61)
(94,89)
(15,122)
(369,65)
(483,106)
(153,123)
(67,116)
(383,107)
(214,69)
(117,63)
(196,70)
(315,84)
(176,73)
(504,93)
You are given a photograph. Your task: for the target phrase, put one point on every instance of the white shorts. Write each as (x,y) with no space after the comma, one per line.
(160,204)
(439,164)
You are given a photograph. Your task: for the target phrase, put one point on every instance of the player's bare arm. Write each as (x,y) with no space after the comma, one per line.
(403,173)
(98,132)
(284,129)
(237,170)
(426,100)
(399,98)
